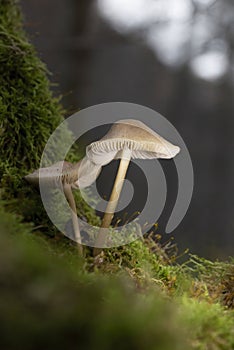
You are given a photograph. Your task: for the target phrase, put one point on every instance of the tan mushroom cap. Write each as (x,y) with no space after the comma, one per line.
(143,142)
(48,175)
(79,175)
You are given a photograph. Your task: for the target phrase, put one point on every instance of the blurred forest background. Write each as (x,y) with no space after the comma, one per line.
(174,56)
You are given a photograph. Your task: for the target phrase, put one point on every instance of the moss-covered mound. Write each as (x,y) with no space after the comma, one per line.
(28,112)
(28,116)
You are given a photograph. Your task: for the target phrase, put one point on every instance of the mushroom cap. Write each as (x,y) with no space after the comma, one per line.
(79,175)
(143,142)
(50,175)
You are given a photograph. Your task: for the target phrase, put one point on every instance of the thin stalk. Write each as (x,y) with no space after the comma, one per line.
(71,201)
(113,201)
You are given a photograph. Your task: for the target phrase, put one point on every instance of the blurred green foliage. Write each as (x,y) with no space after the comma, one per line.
(47,304)
(51,298)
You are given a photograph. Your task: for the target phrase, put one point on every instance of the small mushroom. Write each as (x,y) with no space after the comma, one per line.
(67,176)
(125,140)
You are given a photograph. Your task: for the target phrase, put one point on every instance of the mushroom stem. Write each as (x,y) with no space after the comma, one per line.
(113,201)
(71,201)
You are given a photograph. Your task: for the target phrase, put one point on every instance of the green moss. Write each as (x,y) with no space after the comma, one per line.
(146,262)
(29,113)
(48,304)
(213,280)
(50,300)
(211,327)
(28,116)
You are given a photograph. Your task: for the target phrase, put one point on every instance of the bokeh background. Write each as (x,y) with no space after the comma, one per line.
(174,56)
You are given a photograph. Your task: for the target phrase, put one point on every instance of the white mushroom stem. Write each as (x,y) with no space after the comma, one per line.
(113,201)
(71,201)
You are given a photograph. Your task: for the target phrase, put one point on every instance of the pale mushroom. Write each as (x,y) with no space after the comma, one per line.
(125,140)
(67,176)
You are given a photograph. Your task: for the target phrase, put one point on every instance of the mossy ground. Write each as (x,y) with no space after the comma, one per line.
(132,297)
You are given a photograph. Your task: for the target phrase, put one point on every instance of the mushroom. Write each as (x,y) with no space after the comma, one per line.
(67,176)
(126,139)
